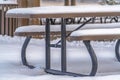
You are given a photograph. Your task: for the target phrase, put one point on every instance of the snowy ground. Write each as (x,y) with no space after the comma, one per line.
(11,67)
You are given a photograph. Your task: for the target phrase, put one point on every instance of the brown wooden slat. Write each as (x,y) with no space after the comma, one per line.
(2,27)
(10,27)
(23,4)
(34,3)
(73,2)
(6,23)
(66,2)
(0,20)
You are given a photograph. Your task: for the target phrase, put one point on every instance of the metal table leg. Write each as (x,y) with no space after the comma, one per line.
(117,51)
(23,52)
(93,57)
(63,46)
(63,70)
(47,45)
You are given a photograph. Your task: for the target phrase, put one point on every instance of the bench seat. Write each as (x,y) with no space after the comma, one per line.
(96,34)
(32,30)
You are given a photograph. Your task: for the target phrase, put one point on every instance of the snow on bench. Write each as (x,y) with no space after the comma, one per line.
(96,34)
(40,29)
(107,33)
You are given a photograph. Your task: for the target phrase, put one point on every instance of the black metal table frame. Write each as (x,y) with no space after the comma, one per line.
(63,70)
(63,51)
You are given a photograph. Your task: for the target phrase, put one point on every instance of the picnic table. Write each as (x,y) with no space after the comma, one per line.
(64,12)
(4,6)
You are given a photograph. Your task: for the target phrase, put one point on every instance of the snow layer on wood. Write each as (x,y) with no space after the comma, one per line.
(67,9)
(70,27)
(96,32)
(8,2)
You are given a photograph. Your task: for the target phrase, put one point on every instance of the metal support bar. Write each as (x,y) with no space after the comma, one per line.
(116,19)
(93,58)
(63,45)
(117,51)
(55,45)
(23,53)
(57,72)
(47,39)
(77,29)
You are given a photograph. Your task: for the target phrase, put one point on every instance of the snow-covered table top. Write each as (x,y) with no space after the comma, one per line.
(65,11)
(8,3)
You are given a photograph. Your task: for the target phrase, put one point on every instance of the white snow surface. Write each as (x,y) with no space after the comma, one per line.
(96,32)
(66,9)
(41,28)
(8,2)
(78,59)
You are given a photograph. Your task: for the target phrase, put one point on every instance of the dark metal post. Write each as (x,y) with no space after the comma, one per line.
(63,45)
(47,39)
